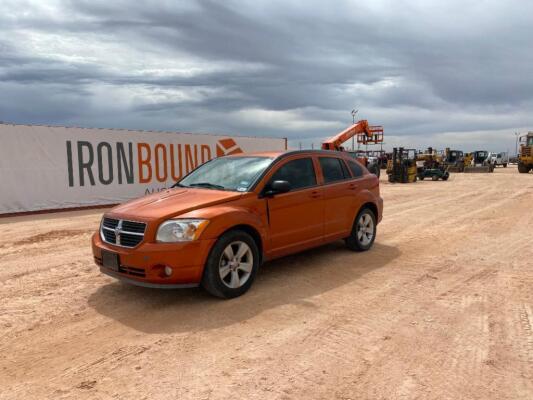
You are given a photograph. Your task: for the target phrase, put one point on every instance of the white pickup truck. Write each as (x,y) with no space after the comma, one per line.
(499,159)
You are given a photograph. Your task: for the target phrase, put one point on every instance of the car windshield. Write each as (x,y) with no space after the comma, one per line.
(227,173)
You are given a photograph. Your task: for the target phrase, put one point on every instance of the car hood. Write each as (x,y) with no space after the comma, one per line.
(172,202)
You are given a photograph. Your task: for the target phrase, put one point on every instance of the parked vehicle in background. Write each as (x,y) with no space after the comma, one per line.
(478,161)
(500,159)
(430,164)
(402,168)
(218,224)
(380,156)
(370,162)
(525,158)
(454,160)
(373,165)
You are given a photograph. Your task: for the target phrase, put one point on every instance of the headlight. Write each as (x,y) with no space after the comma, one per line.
(180,230)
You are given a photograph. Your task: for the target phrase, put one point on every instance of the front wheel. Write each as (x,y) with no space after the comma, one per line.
(231,266)
(522,168)
(363,231)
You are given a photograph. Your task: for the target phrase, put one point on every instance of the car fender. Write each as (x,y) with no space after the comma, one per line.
(363,197)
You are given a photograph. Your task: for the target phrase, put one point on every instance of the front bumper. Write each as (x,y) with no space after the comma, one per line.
(144,265)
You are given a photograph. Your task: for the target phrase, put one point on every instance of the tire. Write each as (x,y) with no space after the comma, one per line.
(421,177)
(522,168)
(225,275)
(363,231)
(504,165)
(445,177)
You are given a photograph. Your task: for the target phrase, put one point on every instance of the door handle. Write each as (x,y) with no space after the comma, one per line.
(316,195)
(353,186)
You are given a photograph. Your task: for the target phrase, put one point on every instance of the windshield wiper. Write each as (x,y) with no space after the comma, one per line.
(207,185)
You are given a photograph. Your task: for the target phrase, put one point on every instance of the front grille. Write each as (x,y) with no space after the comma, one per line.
(121,232)
(526,151)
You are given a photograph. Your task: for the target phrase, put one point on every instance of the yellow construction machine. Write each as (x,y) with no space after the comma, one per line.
(478,161)
(525,158)
(430,164)
(401,168)
(454,160)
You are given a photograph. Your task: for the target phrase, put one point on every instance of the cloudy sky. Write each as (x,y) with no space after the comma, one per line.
(456,73)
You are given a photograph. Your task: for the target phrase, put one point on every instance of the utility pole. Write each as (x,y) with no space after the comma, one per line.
(354,111)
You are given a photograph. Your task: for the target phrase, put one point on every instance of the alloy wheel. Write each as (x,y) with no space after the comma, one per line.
(365,229)
(236,264)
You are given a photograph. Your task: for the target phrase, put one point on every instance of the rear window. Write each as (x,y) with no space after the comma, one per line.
(332,169)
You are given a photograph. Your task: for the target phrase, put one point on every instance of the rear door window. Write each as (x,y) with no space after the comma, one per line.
(345,170)
(332,169)
(300,173)
(356,169)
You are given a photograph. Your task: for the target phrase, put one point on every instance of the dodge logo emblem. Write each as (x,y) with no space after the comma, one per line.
(118,231)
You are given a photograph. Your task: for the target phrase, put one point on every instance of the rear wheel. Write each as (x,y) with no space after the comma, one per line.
(231,266)
(363,231)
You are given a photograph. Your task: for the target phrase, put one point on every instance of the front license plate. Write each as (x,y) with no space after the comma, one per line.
(110,260)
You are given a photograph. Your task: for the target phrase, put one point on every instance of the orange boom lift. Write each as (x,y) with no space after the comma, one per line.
(366,134)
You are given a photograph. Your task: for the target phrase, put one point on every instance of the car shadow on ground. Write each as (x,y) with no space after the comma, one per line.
(289,280)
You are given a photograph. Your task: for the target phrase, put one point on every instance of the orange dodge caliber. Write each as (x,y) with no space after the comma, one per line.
(217,225)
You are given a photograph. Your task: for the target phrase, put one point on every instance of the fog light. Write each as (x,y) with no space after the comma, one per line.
(168,271)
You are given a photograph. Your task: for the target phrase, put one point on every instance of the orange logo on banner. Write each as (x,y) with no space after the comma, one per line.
(226,147)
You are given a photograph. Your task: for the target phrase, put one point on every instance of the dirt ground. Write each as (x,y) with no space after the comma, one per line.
(440,308)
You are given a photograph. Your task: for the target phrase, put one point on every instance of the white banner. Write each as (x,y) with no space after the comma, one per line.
(46,167)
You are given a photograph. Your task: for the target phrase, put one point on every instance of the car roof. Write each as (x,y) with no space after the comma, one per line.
(278,154)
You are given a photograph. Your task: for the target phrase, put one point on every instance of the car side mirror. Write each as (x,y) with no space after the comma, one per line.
(278,187)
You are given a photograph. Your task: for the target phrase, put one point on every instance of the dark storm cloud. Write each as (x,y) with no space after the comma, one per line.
(291,70)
